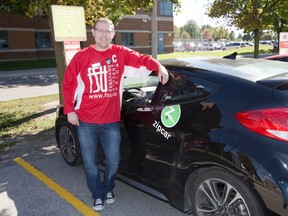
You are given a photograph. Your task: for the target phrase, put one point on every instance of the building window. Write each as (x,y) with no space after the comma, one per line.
(43,40)
(127,39)
(166,8)
(3,40)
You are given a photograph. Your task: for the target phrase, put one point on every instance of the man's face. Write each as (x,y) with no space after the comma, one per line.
(103,35)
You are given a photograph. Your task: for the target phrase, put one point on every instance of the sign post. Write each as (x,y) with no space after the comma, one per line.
(68,25)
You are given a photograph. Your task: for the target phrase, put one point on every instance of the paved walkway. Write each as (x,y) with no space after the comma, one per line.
(28,83)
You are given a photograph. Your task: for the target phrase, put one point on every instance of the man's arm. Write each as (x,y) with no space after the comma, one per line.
(163,74)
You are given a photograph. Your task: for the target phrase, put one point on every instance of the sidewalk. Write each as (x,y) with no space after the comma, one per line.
(28,83)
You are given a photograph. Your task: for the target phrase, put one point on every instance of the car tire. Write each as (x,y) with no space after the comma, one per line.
(68,143)
(209,188)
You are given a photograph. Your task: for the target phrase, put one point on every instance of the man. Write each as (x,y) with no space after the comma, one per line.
(94,80)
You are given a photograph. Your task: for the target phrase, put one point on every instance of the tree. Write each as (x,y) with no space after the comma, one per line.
(220,33)
(94,9)
(192,29)
(207,34)
(250,15)
(232,36)
(240,37)
(185,35)
(176,32)
(266,36)
(247,36)
(206,26)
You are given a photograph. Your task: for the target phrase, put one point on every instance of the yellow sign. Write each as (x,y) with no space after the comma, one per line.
(68,23)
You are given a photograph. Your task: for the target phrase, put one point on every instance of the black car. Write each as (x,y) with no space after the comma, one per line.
(212,141)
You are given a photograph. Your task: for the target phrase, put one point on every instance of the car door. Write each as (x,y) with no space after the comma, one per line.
(176,112)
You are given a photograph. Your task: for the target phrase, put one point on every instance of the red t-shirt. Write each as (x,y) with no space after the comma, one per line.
(95,80)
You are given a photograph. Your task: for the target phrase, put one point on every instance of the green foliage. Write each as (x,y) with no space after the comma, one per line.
(220,33)
(207,34)
(232,36)
(94,9)
(185,35)
(266,36)
(249,14)
(192,29)
(176,32)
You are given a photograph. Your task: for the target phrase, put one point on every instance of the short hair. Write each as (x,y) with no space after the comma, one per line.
(105,20)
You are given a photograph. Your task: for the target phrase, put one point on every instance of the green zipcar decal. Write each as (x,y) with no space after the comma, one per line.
(170,115)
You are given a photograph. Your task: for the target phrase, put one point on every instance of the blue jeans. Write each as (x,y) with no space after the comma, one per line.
(89,135)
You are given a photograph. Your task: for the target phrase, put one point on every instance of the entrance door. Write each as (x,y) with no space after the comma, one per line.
(161,43)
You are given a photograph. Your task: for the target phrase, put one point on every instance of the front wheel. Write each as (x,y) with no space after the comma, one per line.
(218,192)
(68,143)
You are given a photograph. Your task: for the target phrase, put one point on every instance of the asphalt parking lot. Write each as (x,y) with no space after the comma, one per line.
(44,184)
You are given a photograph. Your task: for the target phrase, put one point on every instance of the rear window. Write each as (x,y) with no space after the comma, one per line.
(188,88)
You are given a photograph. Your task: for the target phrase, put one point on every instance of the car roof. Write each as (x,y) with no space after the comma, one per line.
(246,68)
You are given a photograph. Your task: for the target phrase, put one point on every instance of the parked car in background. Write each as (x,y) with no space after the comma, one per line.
(190,47)
(234,45)
(267,42)
(212,141)
(178,47)
(185,47)
(279,57)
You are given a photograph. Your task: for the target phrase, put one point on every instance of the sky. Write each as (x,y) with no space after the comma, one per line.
(195,10)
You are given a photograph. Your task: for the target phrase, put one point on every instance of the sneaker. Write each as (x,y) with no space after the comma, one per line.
(110,198)
(98,205)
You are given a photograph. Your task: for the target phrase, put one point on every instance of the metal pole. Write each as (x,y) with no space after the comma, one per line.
(154,30)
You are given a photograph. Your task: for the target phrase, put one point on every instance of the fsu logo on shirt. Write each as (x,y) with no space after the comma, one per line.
(98,78)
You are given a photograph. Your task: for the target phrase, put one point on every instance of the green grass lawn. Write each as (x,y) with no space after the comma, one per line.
(25,116)
(27,64)
(264,49)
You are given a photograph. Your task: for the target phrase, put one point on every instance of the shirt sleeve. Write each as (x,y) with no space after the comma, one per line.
(139,63)
(69,85)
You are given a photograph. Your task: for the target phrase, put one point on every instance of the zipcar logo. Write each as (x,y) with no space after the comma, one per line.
(170,115)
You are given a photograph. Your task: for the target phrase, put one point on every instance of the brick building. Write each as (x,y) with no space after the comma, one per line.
(30,38)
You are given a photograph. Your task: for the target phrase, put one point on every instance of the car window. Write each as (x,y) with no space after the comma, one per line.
(139,90)
(182,88)
(185,88)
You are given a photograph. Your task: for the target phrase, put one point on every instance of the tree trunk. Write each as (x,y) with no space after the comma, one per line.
(256,45)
